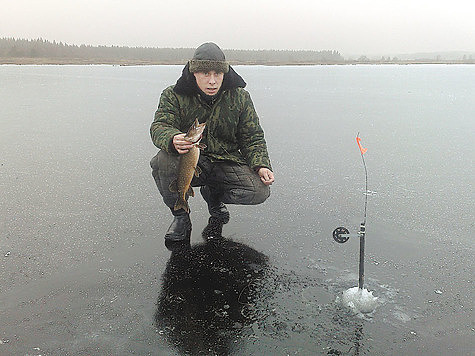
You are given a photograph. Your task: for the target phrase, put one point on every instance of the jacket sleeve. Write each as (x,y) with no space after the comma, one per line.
(251,139)
(166,122)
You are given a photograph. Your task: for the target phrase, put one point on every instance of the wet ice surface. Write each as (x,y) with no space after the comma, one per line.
(84,270)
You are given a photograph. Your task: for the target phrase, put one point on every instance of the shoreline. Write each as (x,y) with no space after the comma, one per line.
(139,62)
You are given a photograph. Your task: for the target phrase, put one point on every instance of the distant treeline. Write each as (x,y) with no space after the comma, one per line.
(42,49)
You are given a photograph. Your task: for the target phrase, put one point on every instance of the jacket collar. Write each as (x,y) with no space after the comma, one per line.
(186,84)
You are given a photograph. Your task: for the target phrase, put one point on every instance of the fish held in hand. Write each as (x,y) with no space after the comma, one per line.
(187,167)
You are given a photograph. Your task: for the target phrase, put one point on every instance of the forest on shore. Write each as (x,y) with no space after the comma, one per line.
(43,51)
(40,51)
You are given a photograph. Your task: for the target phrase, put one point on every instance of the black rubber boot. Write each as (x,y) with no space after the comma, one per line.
(216,207)
(214,229)
(220,212)
(180,228)
(176,246)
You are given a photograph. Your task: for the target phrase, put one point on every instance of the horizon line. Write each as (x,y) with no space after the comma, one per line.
(346,53)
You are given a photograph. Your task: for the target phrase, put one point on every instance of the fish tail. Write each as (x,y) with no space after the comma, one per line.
(181,203)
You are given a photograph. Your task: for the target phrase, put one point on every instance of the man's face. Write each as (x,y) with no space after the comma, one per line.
(209,82)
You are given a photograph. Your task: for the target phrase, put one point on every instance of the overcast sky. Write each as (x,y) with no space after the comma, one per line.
(349,26)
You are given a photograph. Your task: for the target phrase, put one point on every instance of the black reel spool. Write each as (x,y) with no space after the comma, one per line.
(338,232)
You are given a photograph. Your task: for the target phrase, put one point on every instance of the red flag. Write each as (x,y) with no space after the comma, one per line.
(363,150)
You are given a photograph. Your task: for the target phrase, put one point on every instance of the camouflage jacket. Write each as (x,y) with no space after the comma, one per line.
(232,129)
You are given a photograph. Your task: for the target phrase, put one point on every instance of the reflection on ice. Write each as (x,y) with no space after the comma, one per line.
(206,295)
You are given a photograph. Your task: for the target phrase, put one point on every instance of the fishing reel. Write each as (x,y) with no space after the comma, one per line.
(341,234)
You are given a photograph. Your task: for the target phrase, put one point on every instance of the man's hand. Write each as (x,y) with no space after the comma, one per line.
(181,145)
(267,176)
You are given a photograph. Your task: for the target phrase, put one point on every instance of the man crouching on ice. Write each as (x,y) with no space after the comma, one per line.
(233,165)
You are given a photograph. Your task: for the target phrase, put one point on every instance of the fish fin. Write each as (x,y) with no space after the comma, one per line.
(173,187)
(201,146)
(198,171)
(181,204)
(190,192)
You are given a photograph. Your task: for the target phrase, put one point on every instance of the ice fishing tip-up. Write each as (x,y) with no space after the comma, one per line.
(342,234)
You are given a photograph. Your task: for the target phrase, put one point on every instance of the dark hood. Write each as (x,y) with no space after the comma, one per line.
(186,84)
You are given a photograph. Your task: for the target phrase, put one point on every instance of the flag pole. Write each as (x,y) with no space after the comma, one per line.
(362,231)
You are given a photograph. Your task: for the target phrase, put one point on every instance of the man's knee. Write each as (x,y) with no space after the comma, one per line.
(154,162)
(261,195)
(164,162)
(244,186)
(248,195)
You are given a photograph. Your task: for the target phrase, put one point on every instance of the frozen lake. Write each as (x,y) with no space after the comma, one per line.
(84,269)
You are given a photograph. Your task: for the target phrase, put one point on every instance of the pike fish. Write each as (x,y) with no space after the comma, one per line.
(187,167)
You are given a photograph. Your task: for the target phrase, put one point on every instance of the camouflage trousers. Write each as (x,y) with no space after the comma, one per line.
(221,182)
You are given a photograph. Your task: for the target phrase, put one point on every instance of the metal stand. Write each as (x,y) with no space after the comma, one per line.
(362,233)
(341,235)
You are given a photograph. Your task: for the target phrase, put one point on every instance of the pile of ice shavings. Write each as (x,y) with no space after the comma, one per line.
(359,300)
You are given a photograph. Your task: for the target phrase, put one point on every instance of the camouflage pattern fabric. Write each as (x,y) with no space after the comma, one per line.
(232,129)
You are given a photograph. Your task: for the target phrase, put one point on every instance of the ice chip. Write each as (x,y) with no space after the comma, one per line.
(359,300)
